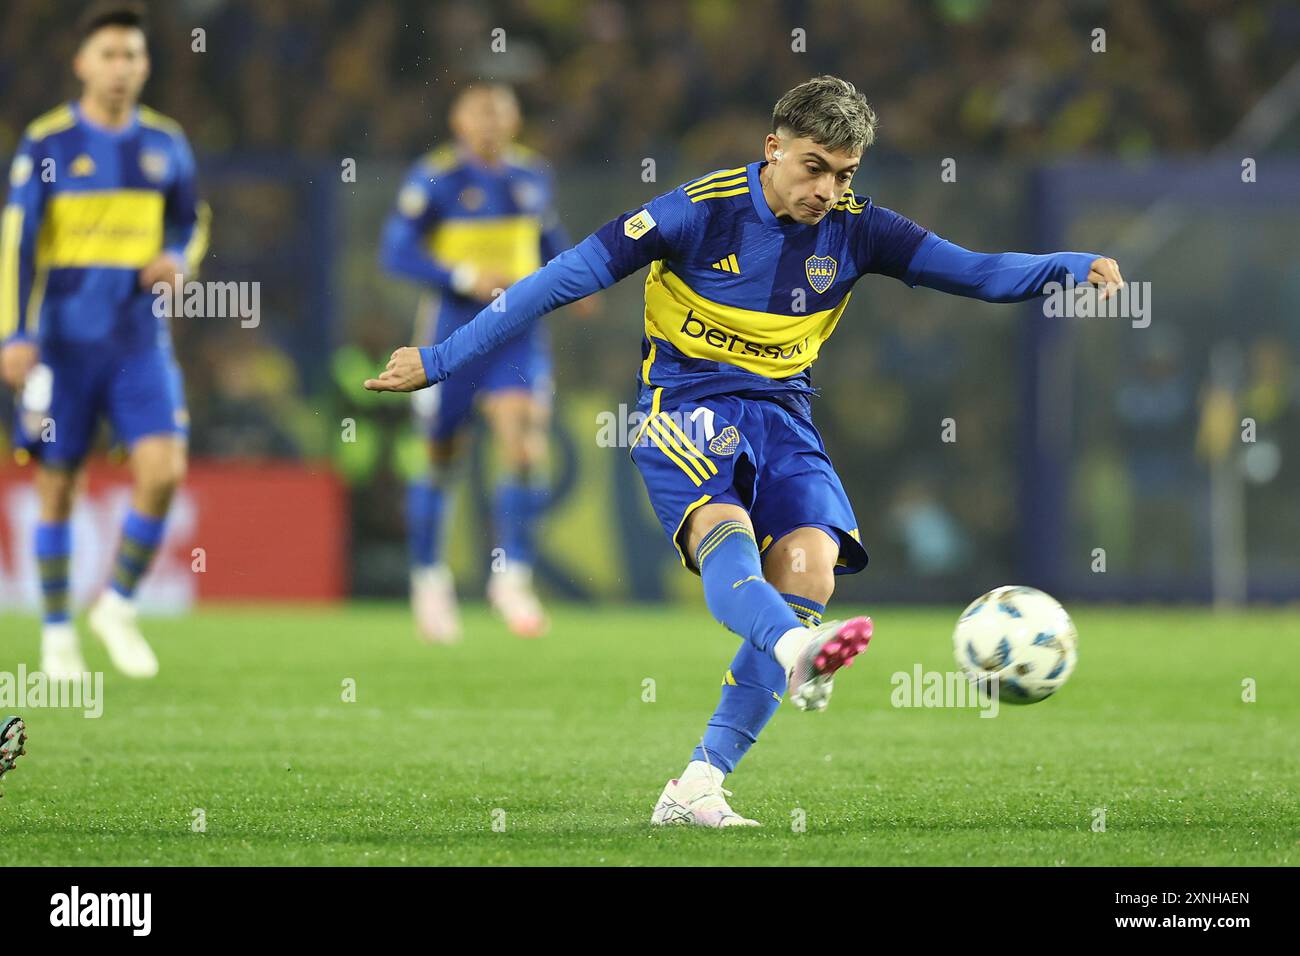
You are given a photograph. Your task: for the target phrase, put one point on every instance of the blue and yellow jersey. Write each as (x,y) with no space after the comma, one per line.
(456,213)
(737,301)
(87,209)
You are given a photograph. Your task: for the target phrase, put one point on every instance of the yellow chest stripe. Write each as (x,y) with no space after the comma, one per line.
(510,245)
(772,345)
(117,228)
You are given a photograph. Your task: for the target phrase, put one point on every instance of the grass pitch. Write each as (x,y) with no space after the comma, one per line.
(246,732)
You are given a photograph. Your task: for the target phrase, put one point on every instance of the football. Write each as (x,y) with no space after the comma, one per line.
(1018,640)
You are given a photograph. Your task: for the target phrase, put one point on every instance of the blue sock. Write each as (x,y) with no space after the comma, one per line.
(735,590)
(54,558)
(424,506)
(810,612)
(141,535)
(751,693)
(517,509)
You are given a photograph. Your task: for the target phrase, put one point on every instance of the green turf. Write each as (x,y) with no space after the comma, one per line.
(246,722)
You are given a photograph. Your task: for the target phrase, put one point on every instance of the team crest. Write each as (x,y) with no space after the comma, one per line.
(82,166)
(725,442)
(154,165)
(821,272)
(471,198)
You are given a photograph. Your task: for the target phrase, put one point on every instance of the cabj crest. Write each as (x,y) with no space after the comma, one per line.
(821,272)
(725,442)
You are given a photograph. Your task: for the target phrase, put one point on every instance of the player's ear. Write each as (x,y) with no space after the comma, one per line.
(772,147)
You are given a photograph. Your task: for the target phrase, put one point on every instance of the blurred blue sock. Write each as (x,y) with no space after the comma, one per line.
(517,508)
(141,535)
(424,507)
(54,558)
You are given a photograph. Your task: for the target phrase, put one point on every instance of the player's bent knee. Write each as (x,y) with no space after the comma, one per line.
(443,452)
(522,455)
(57,489)
(707,517)
(161,484)
(803,563)
(159,471)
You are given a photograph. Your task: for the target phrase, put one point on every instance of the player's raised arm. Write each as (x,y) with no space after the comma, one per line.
(19,224)
(613,252)
(1004,276)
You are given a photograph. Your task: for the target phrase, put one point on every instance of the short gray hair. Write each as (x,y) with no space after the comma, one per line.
(830,112)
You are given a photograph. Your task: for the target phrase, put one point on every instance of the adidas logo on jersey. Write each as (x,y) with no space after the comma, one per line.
(729,264)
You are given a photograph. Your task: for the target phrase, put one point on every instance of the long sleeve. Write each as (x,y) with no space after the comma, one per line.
(402,249)
(187,218)
(19,224)
(992,277)
(402,252)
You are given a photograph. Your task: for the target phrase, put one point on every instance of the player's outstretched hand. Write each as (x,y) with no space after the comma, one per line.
(405,373)
(1105,273)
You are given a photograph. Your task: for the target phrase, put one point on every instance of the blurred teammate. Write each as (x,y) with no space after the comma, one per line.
(102,205)
(750,270)
(471,219)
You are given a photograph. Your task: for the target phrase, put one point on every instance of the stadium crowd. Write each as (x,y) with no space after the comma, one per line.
(273,93)
(606,80)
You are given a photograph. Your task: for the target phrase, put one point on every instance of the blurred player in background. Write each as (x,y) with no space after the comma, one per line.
(102,206)
(750,271)
(471,219)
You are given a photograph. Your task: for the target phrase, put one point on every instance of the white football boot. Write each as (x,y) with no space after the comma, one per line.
(829,646)
(697,800)
(433,602)
(113,621)
(61,652)
(510,591)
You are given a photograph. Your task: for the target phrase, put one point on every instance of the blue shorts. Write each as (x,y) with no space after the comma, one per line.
(749,452)
(139,392)
(522,363)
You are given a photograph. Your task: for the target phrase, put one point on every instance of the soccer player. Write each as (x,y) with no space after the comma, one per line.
(750,270)
(472,218)
(102,205)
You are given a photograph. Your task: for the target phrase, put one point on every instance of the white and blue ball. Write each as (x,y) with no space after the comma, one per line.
(1018,639)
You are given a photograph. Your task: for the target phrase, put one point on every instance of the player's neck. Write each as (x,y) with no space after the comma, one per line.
(104,115)
(490,159)
(770,197)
